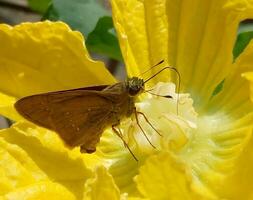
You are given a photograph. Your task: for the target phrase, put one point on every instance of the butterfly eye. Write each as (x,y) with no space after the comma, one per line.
(133,91)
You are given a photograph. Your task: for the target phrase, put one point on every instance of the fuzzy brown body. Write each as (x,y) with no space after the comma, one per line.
(80,116)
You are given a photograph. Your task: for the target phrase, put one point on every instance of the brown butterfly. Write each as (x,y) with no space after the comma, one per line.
(81,115)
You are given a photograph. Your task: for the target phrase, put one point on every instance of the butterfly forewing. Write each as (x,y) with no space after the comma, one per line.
(79,116)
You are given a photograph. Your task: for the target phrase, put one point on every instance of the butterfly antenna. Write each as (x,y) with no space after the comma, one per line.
(152,67)
(165,96)
(179,81)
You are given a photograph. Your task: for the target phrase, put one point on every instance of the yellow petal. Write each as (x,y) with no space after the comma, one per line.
(238,185)
(119,161)
(13,173)
(45,56)
(234,107)
(39,153)
(164,177)
(213,152)
(6,107)
(102,186)
(249,77)
(136,198)
(142,31)
(196,37)
(42,190)
(235,95)
(47,150)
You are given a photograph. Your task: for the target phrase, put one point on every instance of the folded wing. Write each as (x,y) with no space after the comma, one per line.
(79,116)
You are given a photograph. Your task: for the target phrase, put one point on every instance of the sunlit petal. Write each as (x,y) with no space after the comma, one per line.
(102,186)
(31,154)
(164,177)
(41,190)
(199,47)
(45,56)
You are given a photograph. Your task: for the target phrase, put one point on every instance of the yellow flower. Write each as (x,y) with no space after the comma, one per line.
(206,149)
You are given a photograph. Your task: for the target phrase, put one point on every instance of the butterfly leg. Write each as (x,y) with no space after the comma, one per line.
(146,119)
(138,123)
(118,129)
(120,135)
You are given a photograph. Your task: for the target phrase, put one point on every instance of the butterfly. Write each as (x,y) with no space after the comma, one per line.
(80,116)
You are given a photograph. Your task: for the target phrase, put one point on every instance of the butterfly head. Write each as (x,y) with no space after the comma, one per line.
(134,86)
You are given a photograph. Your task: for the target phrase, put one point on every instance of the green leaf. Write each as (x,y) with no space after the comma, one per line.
(51,14)
(218,88)
(81,15)
(103,39)
(245,34)
(40,6)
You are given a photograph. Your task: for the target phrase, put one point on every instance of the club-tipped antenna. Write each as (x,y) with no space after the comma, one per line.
(179,80)
(152,67)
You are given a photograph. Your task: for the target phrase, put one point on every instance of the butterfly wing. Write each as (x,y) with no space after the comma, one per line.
(79,116)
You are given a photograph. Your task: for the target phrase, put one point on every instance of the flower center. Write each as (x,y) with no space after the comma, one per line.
(173,118)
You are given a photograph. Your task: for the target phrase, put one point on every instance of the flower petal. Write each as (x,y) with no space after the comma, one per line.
(238,185)
(142,31)
(164,177)
(13,172)
(213,152)
(6,107)
(234,99)
(38,153)
(119,161)
(242,171)
(45,56)
(101,186)
(196,37)
(249,77)
(234,107)
(136,198)
(41,190)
